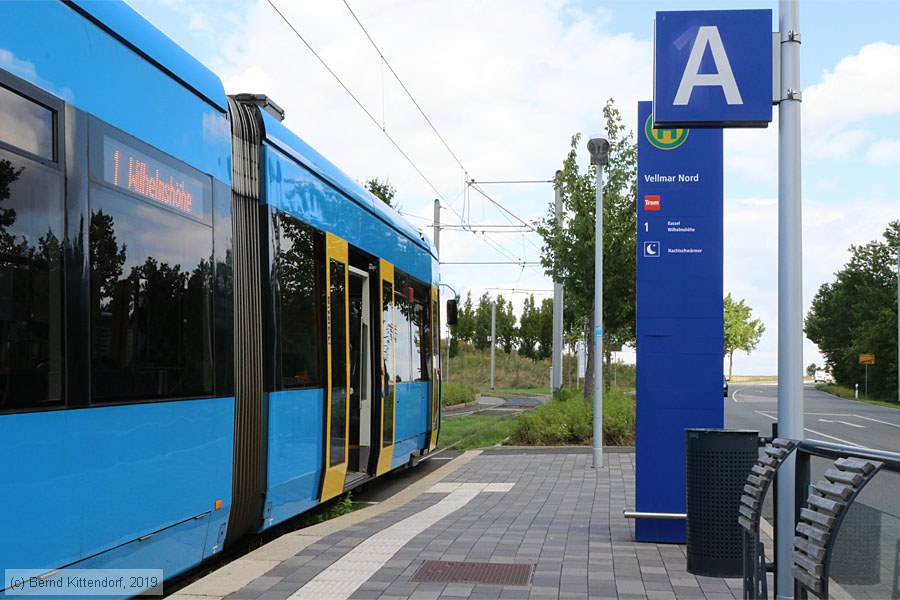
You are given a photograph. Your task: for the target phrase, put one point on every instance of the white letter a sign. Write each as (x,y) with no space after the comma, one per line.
(708,35)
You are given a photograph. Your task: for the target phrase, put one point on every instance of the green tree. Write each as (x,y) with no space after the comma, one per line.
(811,369)
(568,252)
(857,314)
(383,189)
(465,325)
(545,338)
(536,329)
(481,337)
(529,329)
(741,332)
(507,332)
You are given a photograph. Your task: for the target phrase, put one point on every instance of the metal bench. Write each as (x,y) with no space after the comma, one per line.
(758,482)
(820,521)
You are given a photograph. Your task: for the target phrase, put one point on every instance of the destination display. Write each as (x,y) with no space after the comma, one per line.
(679,311)
(126,168)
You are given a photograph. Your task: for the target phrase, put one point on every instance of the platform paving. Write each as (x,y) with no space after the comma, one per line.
(543,507)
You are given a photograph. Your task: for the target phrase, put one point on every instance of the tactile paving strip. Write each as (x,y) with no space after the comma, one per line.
(472,572)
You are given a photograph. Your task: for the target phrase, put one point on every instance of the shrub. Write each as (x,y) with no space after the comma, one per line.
(568,419)
(619,419)
(456,393)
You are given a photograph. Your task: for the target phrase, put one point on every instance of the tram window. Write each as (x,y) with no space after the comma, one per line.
(27,125)
(150,301)
(338,301)
(403,318)
(31,233)
(424,340)
(390,342)
(416,334)
(299,276)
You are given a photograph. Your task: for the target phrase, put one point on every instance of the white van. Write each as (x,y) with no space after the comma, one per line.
(823,376)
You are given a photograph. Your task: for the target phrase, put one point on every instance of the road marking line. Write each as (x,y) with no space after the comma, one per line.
(876,420)
(759,412)
(832,437)
(842,423)
(347,574)
(735,393)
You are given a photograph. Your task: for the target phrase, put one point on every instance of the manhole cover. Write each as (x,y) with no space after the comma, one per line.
(471,572)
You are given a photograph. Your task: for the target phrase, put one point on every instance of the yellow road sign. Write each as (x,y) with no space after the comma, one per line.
(867,359)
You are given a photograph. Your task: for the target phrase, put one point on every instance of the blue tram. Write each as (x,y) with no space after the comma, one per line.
(205,327)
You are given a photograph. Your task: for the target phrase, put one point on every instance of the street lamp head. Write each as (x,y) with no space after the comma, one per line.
(599,149)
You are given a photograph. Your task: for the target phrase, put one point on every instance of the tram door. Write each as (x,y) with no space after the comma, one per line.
(435,371)
(360,374)
(338,349)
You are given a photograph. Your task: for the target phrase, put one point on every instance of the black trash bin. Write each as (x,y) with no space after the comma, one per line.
(718,462)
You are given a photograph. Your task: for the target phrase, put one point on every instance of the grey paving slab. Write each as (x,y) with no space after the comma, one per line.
(561,516)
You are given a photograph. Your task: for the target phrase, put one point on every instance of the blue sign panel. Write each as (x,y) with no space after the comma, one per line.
(713,68)
(679,311)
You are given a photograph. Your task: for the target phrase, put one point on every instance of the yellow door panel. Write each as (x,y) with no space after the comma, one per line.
(337,317)
(435,370)
(388,384)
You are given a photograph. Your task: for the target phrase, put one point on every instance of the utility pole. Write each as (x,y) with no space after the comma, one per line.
(493,338)
(437,227)
(556,371)
(790,280)
(599,149)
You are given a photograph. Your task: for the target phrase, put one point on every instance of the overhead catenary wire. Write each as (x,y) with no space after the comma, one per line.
(358,102)
(472,182)
(382,127)
(511,181)
(501,207)
(516,290)
(510,213)
(402,85)
(523,263)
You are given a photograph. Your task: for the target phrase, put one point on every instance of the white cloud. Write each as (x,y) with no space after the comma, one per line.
(507,83)
(884,152)
(751,258)
(838,107)
(855,90)
(505,100)
(839,113)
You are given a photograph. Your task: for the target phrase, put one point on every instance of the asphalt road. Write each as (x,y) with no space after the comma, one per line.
(827,418)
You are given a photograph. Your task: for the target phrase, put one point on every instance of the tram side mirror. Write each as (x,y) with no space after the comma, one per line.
(452,316)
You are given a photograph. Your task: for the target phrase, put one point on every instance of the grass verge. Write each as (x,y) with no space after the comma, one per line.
(469,432)
(340,506)
(845,392)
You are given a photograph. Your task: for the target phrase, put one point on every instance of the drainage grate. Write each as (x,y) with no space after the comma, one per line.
(471,572)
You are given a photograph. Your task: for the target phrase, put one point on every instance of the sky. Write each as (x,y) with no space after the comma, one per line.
(504,85)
